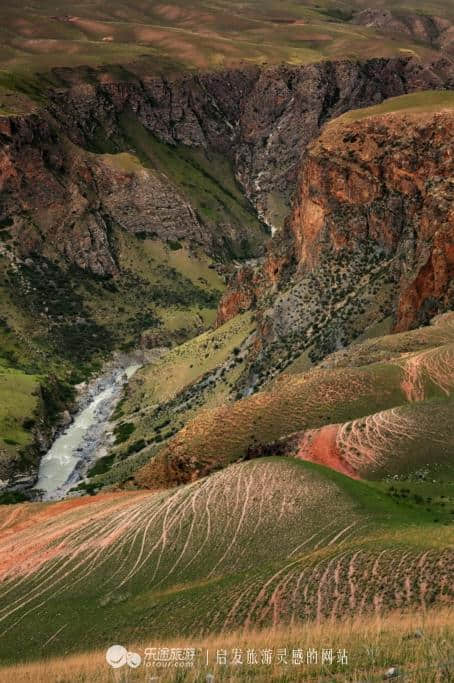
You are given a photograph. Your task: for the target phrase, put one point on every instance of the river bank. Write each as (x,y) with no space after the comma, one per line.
(87,437)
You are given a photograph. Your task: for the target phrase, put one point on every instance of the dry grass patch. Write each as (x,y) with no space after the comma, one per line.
(419,644)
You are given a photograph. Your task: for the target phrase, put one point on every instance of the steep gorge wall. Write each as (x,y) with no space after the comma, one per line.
(59,199)
(386,180)
(381,184)
(261,118)
(57,192)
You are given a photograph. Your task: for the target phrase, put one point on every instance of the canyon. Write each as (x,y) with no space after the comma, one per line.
(226,331)
(372,215)
(97,166)
(261,119)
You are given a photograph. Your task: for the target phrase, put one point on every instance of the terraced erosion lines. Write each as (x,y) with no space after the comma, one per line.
(217,541)
(281,457)
(437,365)
(371,409)
(157,516)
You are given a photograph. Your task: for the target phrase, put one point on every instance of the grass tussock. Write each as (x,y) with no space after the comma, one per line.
(419,645)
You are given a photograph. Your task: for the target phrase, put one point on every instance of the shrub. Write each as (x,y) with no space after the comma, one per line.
(136,446)
(174,245)
(123,431)
(101,465)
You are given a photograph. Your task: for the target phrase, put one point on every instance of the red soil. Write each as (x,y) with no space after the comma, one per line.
(320,446)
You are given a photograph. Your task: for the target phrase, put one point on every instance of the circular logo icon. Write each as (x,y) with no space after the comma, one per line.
(134,659)
(116,656)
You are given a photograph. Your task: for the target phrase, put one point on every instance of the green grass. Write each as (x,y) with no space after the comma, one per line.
(171,295)
(391,394)
(157,390)
(20,408)
(207,182)
(143,565)
(188,362)
(18,401)
(176,37)
(394,511)
(428,102)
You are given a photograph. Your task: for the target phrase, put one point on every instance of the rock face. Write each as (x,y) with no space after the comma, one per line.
(371,236)
(386,180)
(436,31)
(261,118)
(58,199)
(60,193)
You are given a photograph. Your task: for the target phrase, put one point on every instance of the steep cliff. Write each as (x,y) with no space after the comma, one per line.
(63,200)
(61,176)
(193,158)
(260,118)
(370,235)
(122,198)
(386,179)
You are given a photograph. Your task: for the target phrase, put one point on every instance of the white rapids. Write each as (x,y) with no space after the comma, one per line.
(79,444)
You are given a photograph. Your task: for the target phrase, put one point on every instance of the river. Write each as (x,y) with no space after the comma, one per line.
(85,439)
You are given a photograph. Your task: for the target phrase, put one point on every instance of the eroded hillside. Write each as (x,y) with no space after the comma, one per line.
(260,543)
(126,199)
(370,236)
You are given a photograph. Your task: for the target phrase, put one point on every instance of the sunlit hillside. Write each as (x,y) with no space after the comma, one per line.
(174,35)
(259,544)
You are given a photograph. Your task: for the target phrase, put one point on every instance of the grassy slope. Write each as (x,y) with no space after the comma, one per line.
(150,270)
(34,343)
(377,375)
(222,552)
(18,402)
(164,396)
(174,36)
(374,645)
(428,102)
(208,183)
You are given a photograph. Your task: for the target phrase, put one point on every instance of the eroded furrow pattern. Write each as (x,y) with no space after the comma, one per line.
(204,530)
(349,582)
(384,441)
(433,365)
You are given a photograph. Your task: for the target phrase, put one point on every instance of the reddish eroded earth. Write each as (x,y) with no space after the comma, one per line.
(44,528)
(434,365)
(385,178)
(381,443)
(320,446)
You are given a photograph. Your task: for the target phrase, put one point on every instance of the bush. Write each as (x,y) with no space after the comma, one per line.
(102,465)
(123,431)
(174,245)
(136,446)
(13,497)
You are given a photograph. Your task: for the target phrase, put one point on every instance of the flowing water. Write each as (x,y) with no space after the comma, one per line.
(84,440)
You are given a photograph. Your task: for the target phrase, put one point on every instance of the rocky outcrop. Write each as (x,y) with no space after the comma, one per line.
(370,236)
(61,192)
(386,180)
(262,118)
(436,31)
(60,200)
